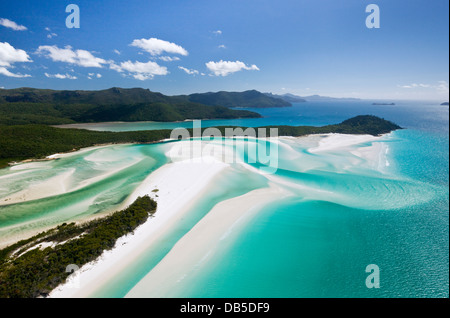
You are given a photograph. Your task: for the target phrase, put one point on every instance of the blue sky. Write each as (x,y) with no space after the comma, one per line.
(175,47)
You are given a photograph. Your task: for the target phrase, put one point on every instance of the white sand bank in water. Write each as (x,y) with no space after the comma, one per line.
(200,243)
(179,186)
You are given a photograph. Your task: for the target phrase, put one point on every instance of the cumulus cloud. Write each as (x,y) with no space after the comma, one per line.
(68,55)
(10,55)
(6,72)
(91,75)
(157,47)
(224,68)
(217,32)
(169,59)
(12,25)
(61,76)
(188,71)
(140,71)
(222,46)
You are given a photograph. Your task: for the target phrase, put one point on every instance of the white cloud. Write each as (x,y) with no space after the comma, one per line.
(157,47)
(441,87)
(91,75)
(117,52)
(10,55)
(222,46)
(5,72)
(61,76)
(218,32)
(51,35)
(67,55)
(169,59)
(188,71)
(414,85)
(139,70)
(224,68)
(12,25)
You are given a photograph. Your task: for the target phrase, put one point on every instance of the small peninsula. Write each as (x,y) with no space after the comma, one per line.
(444,104)
(383,104)
(50,252)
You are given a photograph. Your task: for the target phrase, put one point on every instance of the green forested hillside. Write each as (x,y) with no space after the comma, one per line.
(247,99)
(36,106)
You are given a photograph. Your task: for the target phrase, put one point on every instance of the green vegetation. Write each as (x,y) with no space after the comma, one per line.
(38,141)
(26,271)
(247,99)
(37,106)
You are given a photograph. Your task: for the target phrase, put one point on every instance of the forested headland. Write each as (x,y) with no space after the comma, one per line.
(28,271)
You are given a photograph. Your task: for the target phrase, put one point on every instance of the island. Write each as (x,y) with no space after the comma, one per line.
(444,104)
(247,99)
(383,104)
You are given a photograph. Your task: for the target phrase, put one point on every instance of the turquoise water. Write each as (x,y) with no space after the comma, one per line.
(303,247)
(312,244)
(110,174)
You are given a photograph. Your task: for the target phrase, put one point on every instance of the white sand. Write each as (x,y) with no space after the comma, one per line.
(179,186)
(38,190)
(200,243)
(332,142)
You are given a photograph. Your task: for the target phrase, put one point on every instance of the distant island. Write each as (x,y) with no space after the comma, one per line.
(327,98)
(444,104)
(247,99)
(386,104)
(291,98)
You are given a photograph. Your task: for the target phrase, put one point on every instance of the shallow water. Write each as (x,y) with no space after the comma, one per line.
(346,212)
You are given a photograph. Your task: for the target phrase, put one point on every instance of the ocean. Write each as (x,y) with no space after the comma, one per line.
(344,215)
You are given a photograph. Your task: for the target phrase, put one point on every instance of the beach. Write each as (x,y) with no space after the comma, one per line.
(176,187)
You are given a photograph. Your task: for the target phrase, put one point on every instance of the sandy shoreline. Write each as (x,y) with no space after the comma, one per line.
(176,187)
(179,186)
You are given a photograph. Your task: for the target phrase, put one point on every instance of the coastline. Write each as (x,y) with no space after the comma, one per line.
(171,186)
(170,180)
